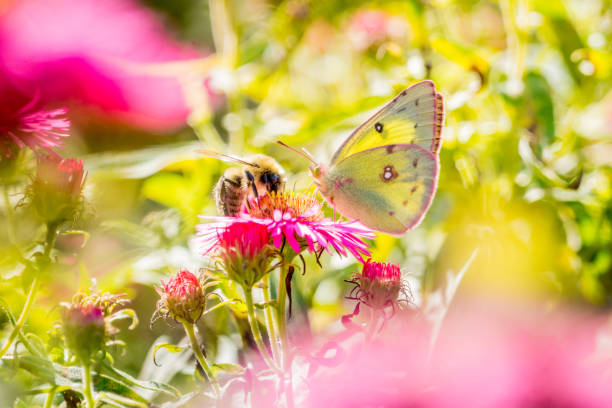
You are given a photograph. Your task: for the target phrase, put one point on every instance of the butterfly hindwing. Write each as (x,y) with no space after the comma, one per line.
(415,116)
(387,188)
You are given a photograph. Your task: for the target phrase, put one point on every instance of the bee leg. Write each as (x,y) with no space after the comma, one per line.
(252,180)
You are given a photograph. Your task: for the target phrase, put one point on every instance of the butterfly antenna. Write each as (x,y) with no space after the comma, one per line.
(301,153)
(225,157)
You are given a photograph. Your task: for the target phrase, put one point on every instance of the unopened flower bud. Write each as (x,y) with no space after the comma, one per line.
(182,298)
(379,284)
(55,192)
(84,329)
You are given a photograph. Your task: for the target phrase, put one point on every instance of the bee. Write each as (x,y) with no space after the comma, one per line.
(257,175)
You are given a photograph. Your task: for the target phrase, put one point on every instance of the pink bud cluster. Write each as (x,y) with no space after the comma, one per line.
(182,298)
(378,286)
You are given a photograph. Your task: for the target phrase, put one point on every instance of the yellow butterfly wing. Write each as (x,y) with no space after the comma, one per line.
(415,116)
(387,188)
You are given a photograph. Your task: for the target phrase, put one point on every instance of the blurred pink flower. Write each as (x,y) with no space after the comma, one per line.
(484,358)
(91,53)
(372,27)
(293,218)
(23,123)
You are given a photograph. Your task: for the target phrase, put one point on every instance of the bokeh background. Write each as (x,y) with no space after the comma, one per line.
(526,159)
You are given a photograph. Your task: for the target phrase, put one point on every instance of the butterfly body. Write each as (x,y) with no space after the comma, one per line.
(385,174)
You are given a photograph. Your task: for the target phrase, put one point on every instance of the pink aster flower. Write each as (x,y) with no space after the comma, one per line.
(24,124)
(244,250)
(296,219)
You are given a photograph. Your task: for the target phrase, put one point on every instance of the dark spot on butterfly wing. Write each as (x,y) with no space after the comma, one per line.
(412,190)
(378,127)
(416,102)
(390,148)
(415,163)
(389,173)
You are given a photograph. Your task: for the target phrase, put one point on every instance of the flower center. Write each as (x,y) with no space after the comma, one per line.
(297,205)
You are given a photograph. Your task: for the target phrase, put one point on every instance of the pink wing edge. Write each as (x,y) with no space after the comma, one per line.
(432,192)
(438,122)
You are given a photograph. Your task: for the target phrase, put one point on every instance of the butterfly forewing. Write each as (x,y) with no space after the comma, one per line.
(415,116)
(387,188)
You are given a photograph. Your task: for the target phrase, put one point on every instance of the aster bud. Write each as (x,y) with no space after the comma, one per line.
(86,322)
(182,298)
(244,251)
(84,329)
(379,284)
(55,192)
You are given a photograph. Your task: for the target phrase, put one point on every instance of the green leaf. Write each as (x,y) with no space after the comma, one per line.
(462,54)
(221,304)
(120,401)
(539,99)
(86,235)
(148,385)
(141,163)
(263,305)
(103,383)
(232,369)
(172,348)
(125,314)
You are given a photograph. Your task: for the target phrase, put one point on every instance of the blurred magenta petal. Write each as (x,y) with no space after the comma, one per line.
(24,123)
(484,359)
(84,52)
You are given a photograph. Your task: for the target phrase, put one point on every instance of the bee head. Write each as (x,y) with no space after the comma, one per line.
(272,181)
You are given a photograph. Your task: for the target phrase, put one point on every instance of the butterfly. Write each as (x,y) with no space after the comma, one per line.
(385,174)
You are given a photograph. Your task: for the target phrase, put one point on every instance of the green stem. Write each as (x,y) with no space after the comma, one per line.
(87,385)
(195,346)
(10,219)
(49,242)
(281,317)
(24,315)
(248,297)
(50,239)
(49,400)
(270,321)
